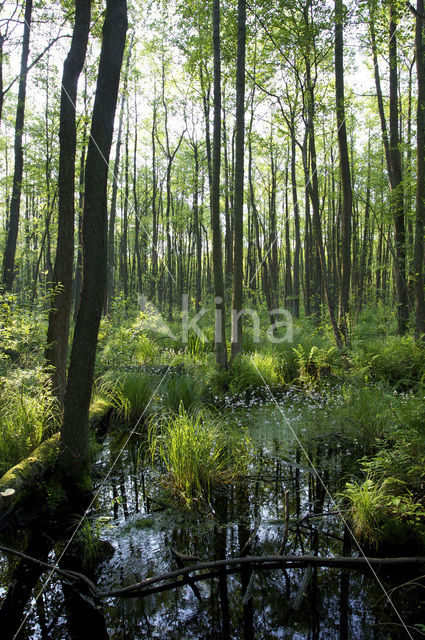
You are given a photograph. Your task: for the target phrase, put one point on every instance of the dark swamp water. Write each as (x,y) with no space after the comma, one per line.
(248,518)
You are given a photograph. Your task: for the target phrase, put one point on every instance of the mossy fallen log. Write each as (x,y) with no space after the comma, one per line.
(23,491)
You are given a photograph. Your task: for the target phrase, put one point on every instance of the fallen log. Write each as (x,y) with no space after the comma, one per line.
(20,487)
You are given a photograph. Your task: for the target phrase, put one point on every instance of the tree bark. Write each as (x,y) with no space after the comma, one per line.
(60,309)
(217,250)
(239,185)
(397,189)
(12,235)
(418,256)
(344,163)
(73,460)
(110,289)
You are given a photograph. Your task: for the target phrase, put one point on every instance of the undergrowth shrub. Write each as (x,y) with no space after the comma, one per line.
(388,508)
(27,417)
(400,360)
(384,513)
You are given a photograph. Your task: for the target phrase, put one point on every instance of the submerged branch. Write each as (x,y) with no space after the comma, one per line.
(180,577)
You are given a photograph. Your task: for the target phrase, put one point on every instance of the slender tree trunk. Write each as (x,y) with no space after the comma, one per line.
(197,226)
(313,188)
(362,269)
(110,287)
(73,460)
(60,310)
(272,252)
(220,333)
(393,158)
(124,239)
(237,298)
(296,305)
(154,268)
(418,256)
(344,164)
(12,234)
(79,267)
(289,300)
(228,217)
(397,189)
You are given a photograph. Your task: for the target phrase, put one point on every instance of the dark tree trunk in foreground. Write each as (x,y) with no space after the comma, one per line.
(60,310)
(12,235)
(344,164)
(220,334)
(239,185)
(418,256)
(73,458)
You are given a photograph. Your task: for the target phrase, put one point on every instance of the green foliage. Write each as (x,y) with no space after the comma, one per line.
(198,453)
(383,513)
(388,507)
(181,390)
(314,363)
(365,413)
(27,417)
(247,373)
(400,360)
(88,540)
(129,393)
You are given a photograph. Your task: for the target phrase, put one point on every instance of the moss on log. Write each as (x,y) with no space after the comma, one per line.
(22,489)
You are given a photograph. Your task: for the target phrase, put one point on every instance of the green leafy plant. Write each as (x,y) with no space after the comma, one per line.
(197,452)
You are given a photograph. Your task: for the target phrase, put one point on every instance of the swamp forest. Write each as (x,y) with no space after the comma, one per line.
(212,319)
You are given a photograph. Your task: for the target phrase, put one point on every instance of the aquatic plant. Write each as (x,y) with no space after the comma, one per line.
(364,414)
(129,393)
(181,390)
(384,513)
(91,548)
(197,451)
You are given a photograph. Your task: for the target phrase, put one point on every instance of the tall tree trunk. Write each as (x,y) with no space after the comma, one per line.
(124,239)
(228,217)
(393,159)
(397,189)
(418,256)
(154,267)
(79,266)
(110,287)
(344,164)
(12,234)
(217,250)
(272,250)
(197,230)
(239,185)
(73,460)
(60,309)
(289,300)
(296,305)
(313,188)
